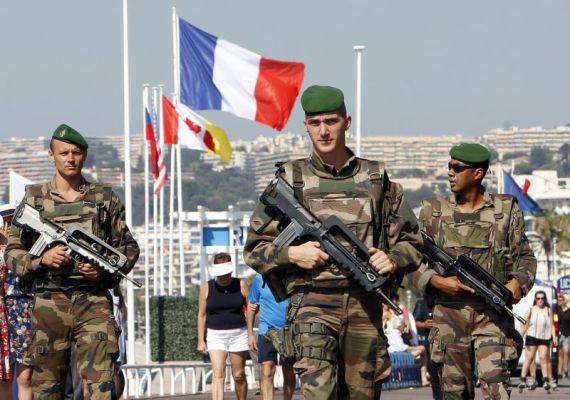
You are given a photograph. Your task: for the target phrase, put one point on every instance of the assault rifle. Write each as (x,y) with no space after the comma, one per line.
(473,275)
(82,246)
(280,197)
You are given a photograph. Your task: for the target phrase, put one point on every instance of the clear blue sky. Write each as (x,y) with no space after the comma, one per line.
(430,67)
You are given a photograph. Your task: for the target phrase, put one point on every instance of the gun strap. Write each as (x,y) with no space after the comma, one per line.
(380,185)
(298,183)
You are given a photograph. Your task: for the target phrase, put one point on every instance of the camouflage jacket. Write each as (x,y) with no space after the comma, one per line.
(346,193)
(493,236)
(97,210)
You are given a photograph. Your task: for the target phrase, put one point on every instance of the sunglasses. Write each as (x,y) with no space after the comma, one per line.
(458,168)
(539,298)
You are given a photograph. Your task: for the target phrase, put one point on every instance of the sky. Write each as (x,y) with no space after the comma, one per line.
(429,68)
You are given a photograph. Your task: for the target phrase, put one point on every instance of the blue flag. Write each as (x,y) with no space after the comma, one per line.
(526,203)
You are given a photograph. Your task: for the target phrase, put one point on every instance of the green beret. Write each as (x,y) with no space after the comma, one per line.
(68,134)
(320,99)
(470,153)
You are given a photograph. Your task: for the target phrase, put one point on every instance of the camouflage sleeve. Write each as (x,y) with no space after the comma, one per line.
(524,269)
(423,275)
(121,237)
(259,252)
(403,235)
(17,257)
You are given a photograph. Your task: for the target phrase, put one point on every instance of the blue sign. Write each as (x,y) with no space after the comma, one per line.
(216,236)
(563,284)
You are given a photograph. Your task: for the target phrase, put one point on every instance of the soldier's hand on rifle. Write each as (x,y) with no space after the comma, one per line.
(90,271)
(450,285)
(308,255)
(56,256)
(380,261)
(515,287)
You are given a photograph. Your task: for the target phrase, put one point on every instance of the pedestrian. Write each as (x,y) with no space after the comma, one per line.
(72,301)
(540,334)
(564,342)
(333,323)
(222,327)
(490,229)
(6,213)
(423,314)
(19,303)
(271,316)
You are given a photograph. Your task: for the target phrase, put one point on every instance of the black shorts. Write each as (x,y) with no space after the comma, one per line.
(266,352)
(532,341)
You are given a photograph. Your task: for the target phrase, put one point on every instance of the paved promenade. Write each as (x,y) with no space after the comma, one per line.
(563,393)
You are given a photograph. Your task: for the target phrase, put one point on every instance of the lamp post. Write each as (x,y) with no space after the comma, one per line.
(358,49)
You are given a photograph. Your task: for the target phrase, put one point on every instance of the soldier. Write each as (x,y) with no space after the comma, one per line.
(72,301)
(490,229)
(334,324)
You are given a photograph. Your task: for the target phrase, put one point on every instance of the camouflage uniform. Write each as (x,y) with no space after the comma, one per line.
(465,330)
(334,322)
(69,307)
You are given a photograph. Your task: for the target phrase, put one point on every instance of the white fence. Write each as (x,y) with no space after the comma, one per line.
(180,379)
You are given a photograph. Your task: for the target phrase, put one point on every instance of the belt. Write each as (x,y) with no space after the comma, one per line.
(45,293)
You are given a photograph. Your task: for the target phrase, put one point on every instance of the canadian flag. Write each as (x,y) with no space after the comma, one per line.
(187,128)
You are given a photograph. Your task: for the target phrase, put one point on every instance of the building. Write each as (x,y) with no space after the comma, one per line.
(424,154)
(35,166)
(521,140)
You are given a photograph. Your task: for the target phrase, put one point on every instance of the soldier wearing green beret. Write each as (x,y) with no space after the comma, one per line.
(335,326)
(72,303)
(490,229)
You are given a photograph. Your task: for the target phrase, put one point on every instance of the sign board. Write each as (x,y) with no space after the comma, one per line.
(563,284)
(216,236)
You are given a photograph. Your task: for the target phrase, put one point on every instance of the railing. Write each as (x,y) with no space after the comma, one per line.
(194,377)
(181,379)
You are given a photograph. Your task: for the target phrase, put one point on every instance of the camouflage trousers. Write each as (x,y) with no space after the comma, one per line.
(462,338)
(60,318)
(340,332)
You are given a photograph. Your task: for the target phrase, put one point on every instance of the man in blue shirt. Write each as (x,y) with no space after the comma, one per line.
(271,316)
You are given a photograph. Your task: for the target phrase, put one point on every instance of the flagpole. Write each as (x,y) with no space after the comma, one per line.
(171,220)
(173,151)
(155,122)
(128,200)
(155,243)
(358,50)
(500,178)
(176,58)
(146,221)
(158,99)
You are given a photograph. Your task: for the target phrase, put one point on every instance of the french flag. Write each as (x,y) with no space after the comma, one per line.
(218,75)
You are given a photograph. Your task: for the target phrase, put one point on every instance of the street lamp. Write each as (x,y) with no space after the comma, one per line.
(358,49)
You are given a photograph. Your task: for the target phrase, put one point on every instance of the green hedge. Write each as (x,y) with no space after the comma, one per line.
(173,328)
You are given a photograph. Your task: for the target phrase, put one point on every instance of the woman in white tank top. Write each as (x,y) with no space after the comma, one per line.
(539,330)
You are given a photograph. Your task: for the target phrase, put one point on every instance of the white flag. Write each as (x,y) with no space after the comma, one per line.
(18,185)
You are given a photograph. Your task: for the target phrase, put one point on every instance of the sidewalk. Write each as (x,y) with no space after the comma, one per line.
(562,393)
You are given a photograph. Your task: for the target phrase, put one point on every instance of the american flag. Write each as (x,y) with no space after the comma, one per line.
(157,164)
